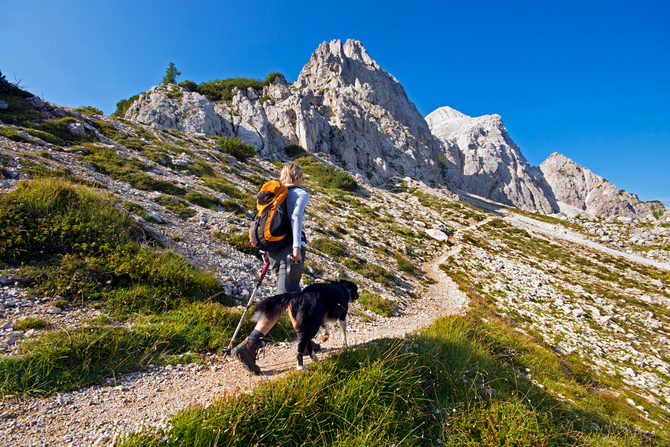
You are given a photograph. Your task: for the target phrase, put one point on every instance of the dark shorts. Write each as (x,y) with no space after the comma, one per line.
(278,265)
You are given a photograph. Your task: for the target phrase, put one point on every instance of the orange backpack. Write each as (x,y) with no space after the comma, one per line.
(270,227)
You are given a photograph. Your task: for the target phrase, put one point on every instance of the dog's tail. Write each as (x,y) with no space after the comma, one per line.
(271,307)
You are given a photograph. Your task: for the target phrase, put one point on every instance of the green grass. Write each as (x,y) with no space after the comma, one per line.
(84,248)
(241,242)
(370,271)
(178,206)
(376,303)
(55,132)
(327,177)
(203,200)
(31,323)
(10,133)
(17,112)
(70,360)
(127,169)
(247,199)
(405,265)
(294,151)
(89,110)
(238,149)
(222,89)
(455,384)
(123,106)
(332,248)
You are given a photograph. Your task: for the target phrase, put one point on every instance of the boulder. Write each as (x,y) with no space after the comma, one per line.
(76,128)
(437,234)
(162,108)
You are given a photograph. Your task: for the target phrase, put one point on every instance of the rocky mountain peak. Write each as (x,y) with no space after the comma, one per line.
(347,73)
(370,122)
(343,64)
(578,187)
(483,160)
(442,117)
(345,107)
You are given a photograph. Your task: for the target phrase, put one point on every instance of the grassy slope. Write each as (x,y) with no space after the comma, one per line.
(461,382)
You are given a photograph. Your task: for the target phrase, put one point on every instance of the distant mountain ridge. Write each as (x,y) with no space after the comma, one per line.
(577,186)
(489,163)
(344,106)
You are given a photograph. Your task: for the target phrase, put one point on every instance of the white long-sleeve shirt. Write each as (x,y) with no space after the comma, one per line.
(296,201)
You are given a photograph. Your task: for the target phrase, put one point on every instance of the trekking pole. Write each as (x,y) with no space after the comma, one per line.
(251,298)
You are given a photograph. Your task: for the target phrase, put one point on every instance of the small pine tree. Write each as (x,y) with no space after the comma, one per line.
(443,165)
(171,74)
(5,86)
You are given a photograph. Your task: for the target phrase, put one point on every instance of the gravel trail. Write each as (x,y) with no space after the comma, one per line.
(96,416)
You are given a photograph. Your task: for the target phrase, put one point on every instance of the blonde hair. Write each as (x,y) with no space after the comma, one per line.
(290,173)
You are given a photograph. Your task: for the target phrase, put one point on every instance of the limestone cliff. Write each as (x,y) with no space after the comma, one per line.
(483,160)
(170,106)
(342,105)
(577,186)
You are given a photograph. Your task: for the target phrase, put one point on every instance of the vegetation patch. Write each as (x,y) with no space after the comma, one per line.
(203,200)
(178,206)
(89,110)
(456,384)
(123,106)
(332,248)
(222,89)
(29,323)
(294,151)
(370,271)
(238,149)
(376,303)
(63,361)
(405,265)
(247,199)
(327,176)
(12,134)
(138,210)
(241,242)
(18,112)
(87,249)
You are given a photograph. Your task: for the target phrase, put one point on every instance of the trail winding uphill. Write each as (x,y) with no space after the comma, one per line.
(95,416)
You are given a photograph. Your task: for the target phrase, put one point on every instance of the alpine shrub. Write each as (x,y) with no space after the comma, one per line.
(123,106)
(238,149)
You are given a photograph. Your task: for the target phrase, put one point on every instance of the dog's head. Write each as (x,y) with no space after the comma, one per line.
(352,288)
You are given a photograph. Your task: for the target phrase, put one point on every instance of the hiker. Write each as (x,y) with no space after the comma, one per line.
(288,272)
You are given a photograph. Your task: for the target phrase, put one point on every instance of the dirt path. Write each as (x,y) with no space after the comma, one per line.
(97,415)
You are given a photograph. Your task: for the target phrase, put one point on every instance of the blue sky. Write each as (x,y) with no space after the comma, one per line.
(589,79)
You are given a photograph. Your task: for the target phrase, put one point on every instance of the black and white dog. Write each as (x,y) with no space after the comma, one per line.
(311,309)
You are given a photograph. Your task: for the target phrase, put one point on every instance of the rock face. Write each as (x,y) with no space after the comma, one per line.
(362,116)
(576,186)
(482,159)
(170,106)
(342,105)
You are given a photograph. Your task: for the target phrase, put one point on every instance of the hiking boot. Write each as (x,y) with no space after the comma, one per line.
(245,352)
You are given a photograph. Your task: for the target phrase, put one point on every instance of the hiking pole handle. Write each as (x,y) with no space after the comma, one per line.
(263,273)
